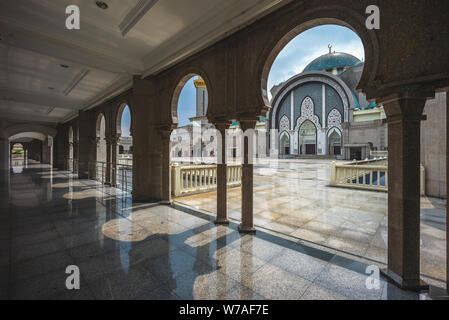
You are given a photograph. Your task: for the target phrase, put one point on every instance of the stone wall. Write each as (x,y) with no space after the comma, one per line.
(433,145)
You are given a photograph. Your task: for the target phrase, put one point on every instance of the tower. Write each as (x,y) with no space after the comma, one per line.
(201,97)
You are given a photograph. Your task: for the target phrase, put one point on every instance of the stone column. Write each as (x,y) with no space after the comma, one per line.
(222,182)
(447,188)
(46,150)
(107,178)
(247,225)
(114,159)
(165,133)
(4,154)
(404,116)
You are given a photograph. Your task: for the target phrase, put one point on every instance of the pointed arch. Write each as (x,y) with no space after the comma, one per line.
(334,120)
(308,113)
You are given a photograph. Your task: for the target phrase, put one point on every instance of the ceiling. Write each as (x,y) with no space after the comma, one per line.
(48,73)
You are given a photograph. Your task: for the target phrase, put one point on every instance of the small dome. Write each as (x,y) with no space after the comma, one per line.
(332,60)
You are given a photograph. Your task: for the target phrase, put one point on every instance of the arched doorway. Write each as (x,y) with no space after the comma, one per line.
(123,159)
(101,152)
(334,142)
(285,144)
(307,138)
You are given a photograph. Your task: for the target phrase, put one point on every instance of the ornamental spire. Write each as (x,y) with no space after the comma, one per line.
(330,48)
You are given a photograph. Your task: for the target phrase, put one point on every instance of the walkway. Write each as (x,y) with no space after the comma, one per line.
(149,251)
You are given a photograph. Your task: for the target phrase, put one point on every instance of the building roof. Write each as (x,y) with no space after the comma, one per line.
(332,60)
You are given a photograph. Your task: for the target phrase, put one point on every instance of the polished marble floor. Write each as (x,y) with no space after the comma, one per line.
(49,221)
(293,197)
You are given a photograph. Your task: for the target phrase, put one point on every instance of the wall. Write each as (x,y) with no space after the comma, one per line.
(433,145)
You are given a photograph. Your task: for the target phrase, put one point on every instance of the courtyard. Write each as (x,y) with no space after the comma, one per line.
(292,198)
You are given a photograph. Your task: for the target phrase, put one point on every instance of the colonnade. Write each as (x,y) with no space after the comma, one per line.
(235,70)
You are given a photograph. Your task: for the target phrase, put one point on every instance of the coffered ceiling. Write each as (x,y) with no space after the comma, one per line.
(48,73)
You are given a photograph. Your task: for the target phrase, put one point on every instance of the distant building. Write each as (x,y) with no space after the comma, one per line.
(319,113)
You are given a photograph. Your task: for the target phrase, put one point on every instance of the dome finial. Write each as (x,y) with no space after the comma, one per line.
(330,48)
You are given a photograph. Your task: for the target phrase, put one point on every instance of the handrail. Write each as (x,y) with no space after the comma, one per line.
(201,178)
(368,177)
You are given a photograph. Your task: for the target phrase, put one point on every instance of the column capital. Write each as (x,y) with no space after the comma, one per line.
(165,131)
(246,124)
(222,126)
(405,105)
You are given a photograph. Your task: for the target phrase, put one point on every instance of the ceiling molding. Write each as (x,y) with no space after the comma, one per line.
(159,58)
(24,96)
(121,85)
(32,118)
(78,78)
(135,15)
(82,55)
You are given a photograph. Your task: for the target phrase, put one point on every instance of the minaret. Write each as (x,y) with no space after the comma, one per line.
(201,97)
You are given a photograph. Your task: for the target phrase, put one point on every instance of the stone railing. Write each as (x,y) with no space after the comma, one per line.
(376,154)
(367,175)
(201,178)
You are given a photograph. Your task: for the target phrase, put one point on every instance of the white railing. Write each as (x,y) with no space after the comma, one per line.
(203,178)
(368,175)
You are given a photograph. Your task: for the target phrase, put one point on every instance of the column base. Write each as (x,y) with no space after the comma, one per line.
(247,230)
(409,285)
(223,222)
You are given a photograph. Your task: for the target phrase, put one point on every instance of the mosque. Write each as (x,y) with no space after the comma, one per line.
(318,113)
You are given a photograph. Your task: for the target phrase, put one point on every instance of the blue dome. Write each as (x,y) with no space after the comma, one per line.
(332,60)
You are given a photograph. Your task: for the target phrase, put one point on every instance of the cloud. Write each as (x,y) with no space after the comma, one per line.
(309,45)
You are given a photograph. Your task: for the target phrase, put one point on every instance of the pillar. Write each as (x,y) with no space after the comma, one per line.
(47,150)
(165,133)
(115,139)
(447,188)
(4,154)
(404,115)
(109,143)
(247,225)
(222,182)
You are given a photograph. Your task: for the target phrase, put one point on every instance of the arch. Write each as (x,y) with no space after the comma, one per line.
(28,136)
(284,124)
(334,120)
(101,154)
(98,124)
(308,114)
(334,15)
(119,116)
(284,144)
(21,128)
(334,138)
(314,76)
(307,138)
(181,81)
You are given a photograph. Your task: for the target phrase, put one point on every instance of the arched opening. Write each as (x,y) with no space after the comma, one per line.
(334,142)
(307,138)
(124,156)
(285,144)
(189,109)
(17,155)
(101,152)
(70,159)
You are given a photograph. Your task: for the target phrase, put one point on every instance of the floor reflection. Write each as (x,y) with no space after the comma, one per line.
(149,251)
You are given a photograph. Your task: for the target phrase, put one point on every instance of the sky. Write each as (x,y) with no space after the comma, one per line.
(126,122)
(295,56)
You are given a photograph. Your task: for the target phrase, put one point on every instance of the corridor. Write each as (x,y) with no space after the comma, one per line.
(149,251)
